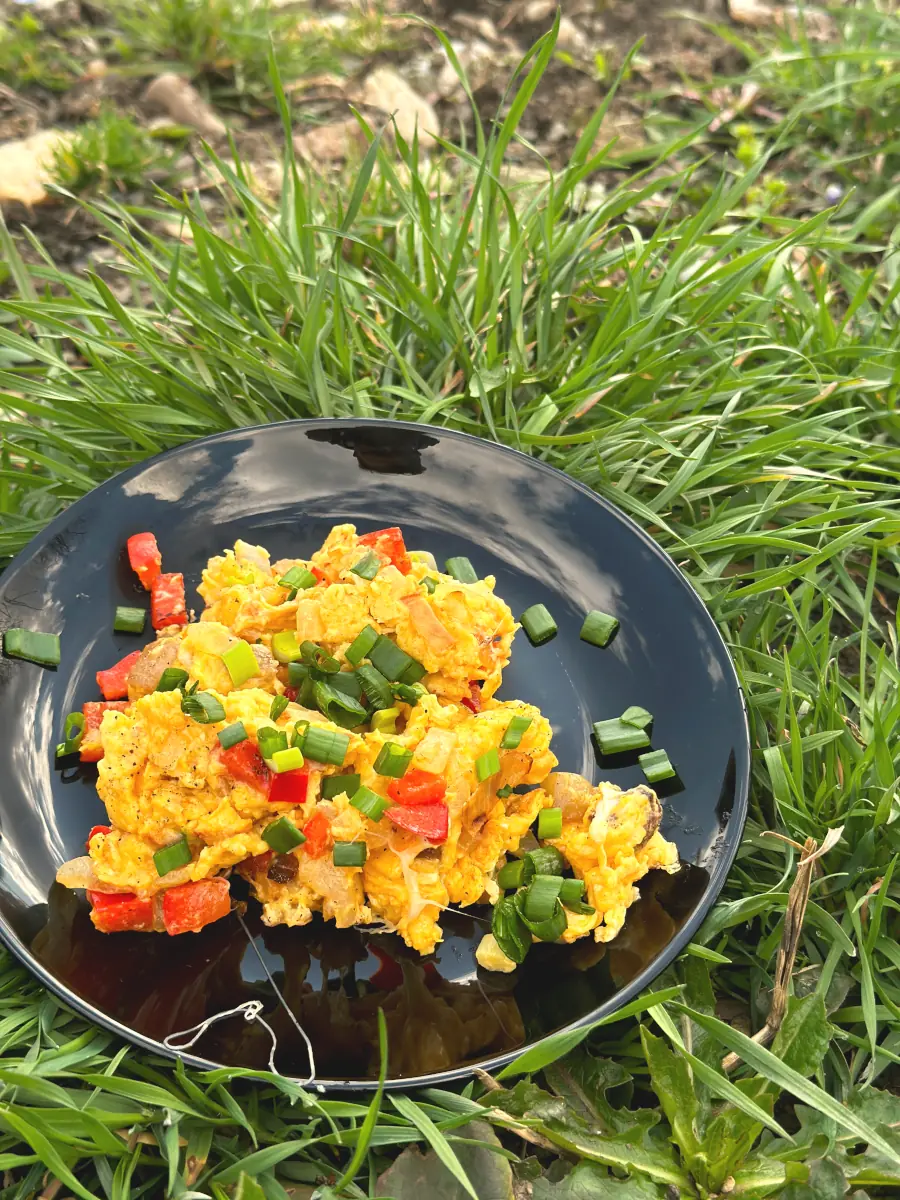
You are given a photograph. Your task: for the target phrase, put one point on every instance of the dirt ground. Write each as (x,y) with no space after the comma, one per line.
(489,36)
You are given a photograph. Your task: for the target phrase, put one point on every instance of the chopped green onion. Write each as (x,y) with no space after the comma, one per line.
(516,873)
(369,803)
(346,682)
(338,707)
(317,657)
(385,720)
(42,648)
(298,673)
(73,732)
(509,930)
(409,693)
(538,624)
(290,759)
(361,645)
(429,584)
(270,741)
(285,646)
(335,785)
(599,628)
(232,734)
(549,823)
(546,860)
(306,697)
(300,730)
(377,689)
(461,569)
(172,679)
(570,895)
(546,931)
(283,836)
(637,716)
(514,731)
(504,791)
(656,766)
(368,566)
(170,858)
(393,663)
(297,579)
(203,707)
(241,662)
(541,897)
(486,765)
(348,854)
(129,620)
(423,556)
(277,707)
(392,760)
(326,746)
(615,737)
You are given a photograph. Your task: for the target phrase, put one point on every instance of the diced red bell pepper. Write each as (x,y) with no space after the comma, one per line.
(245,763)
(167,605)
(430,821)
(289,787)
(91,746)
(190,906)
(473,702)
(319,574)
(145,558)
(389,544)
(389,975)
(417,787)
(96,829)
(317,832)
(121,911)
(113,682)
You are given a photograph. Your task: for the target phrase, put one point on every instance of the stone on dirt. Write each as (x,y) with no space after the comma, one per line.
(184,104)
(24,173)
(327,145)
(386,90)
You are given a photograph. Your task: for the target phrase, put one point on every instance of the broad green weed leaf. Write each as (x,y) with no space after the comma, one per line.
(414,1175)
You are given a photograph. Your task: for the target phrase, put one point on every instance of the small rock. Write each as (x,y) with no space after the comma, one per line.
(570,37)
(96,69)
(814,23)
(481,25)
(538,10)
(23,167)
(477,59)
(326,145)
(184,104)
(388,91)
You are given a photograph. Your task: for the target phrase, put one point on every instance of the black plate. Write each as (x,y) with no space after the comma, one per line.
(546,539)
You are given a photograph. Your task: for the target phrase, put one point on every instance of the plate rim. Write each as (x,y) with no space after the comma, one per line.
(730,844)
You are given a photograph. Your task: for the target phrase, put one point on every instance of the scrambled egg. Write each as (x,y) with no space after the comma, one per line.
(460,632)
(164,775)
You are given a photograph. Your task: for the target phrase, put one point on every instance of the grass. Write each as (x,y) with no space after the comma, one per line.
(723,369)
(31,54)
(110,153)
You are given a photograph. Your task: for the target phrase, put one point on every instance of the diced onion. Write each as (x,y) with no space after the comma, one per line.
(434,750)
(427,623)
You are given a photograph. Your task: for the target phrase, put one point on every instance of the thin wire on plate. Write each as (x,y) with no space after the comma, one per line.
(250,1010)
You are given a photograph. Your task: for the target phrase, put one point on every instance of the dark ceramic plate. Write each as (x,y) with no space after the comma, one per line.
(546,539)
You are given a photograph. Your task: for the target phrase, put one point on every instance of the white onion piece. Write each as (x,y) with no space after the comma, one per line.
(79,873)
(427,624)
(571,793)
(434,750)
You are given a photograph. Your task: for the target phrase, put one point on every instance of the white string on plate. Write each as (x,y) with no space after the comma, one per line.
(250,1010)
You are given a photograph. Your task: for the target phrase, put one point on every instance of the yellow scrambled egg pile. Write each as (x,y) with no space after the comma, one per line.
(165,775)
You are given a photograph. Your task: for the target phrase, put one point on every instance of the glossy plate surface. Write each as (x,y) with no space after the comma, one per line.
(546,539)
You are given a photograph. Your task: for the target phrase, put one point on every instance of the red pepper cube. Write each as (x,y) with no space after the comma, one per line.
(190,906)
(473,702)
(167,605)
(289,787)
(417,787)
(389,545)
(120,912)
(96,829)
(317,832)
(91,746)
(113,682)
(144,557)
(245,764)
(429,821)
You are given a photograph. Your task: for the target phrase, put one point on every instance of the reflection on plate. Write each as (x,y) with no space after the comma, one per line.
(335,980)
